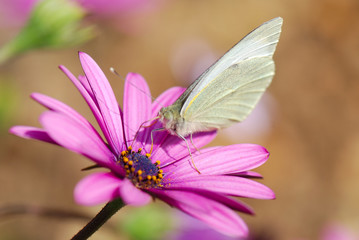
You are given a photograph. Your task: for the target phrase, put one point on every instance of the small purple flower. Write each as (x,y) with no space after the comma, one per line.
(135,175)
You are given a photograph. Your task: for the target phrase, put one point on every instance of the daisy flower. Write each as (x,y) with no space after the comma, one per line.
(136,175)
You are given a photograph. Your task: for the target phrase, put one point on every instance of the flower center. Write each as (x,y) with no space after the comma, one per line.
(140,169)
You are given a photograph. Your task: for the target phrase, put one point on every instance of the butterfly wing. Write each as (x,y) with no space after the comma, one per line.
(228,90)
(232,95)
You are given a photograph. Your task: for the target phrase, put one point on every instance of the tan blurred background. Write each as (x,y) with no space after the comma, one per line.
(313,139)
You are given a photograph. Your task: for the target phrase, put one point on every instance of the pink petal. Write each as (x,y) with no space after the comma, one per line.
(60,107)
(132,195)
(78,138)
(85,83)
(221,160)
(31,133)
(234,204)
(249,174)
(81,84)
(85,89)
(97,188)
(105,100)
(136,108)
(211,212)
(86,94)
(229,185)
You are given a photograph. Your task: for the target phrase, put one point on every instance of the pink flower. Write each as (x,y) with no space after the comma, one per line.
(106,7)
(136,176)
(14,13)
(127,16)
(336,231)
(189,228)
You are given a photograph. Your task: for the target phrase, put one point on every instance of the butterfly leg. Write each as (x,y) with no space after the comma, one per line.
(190,154)
(141,126)
(193,144)
(154,130)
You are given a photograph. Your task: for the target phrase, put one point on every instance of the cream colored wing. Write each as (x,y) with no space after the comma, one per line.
(231,96)
(261,42)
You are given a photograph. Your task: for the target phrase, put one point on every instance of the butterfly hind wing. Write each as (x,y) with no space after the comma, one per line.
(231,96)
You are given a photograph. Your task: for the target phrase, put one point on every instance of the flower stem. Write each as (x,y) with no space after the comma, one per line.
(105,214)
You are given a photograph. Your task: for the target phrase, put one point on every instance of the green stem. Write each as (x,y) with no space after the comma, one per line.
(105,214)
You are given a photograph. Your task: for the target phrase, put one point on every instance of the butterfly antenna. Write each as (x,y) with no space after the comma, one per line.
(194,165)
(117,74)
(141,126)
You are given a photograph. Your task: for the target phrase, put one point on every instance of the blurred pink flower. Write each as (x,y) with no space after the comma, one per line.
(112,7)
(335,231)
(14,13)
(190,228)
(135,175)
(127,16)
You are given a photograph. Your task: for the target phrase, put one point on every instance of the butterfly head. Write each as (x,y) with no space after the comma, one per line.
(171,118)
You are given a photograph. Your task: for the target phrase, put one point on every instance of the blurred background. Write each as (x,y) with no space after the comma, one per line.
(308,119)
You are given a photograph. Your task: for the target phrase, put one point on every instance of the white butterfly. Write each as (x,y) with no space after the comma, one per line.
(227,91)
